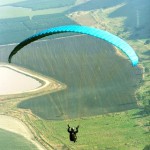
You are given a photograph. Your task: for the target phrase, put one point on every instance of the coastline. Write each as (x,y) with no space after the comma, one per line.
(17,126)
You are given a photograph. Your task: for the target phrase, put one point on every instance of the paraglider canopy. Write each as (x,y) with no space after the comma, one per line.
(104,35)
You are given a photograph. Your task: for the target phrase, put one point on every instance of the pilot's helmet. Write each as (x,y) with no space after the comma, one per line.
(72,129)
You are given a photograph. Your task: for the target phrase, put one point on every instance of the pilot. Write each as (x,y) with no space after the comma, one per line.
(73,132)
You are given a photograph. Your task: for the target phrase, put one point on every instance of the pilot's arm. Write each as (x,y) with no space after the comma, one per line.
(77,129)
(69,128)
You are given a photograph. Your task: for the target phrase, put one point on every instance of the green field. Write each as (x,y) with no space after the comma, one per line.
(98,81)
(12,141)
(120,131)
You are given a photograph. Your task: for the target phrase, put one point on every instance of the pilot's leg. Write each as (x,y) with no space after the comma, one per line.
(75,139)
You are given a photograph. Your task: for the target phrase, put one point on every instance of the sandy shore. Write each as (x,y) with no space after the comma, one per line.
(16,126)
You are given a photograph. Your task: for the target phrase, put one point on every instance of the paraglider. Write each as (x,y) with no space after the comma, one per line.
(104,35)
(73,132)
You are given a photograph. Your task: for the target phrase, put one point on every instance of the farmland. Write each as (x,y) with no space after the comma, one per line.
(23,27)
(92,89)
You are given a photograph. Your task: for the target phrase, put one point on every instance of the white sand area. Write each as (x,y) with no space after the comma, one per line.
(16,81)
